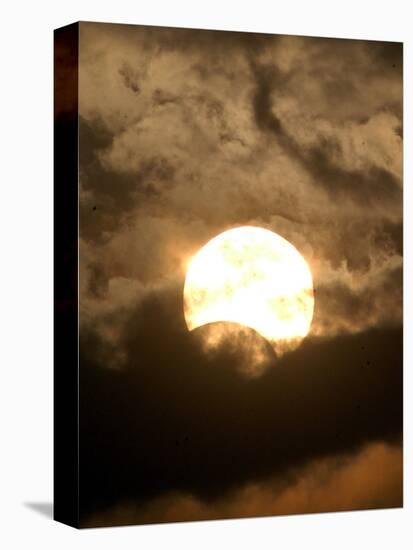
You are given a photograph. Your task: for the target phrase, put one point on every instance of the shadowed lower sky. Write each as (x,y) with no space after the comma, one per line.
(184,134)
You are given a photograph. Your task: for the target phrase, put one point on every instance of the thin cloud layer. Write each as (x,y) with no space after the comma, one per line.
(187,133)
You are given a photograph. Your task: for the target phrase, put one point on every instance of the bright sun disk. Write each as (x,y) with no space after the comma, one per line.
(253,277)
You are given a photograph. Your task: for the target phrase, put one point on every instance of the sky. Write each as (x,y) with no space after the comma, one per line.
(184,134)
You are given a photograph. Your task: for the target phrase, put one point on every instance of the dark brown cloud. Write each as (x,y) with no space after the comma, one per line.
(173,418)
(370,479)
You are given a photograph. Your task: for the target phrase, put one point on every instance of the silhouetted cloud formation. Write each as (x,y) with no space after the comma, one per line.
(174,418)
(354,482)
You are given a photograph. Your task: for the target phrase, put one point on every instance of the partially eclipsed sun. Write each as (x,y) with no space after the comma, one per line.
(252,277)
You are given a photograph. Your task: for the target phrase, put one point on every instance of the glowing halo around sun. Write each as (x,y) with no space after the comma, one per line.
(253,277)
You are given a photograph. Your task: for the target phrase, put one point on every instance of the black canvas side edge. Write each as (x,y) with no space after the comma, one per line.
(66,263)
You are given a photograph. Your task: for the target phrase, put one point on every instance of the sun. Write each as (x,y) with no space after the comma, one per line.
(253,277)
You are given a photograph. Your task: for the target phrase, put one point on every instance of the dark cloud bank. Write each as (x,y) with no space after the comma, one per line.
(184,134)
(175,419)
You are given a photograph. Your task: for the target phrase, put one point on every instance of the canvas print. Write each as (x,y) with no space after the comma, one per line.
(230,208)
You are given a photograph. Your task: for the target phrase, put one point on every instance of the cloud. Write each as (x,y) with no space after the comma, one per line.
(372,478)
(334,153)
(298,135)
(174,418)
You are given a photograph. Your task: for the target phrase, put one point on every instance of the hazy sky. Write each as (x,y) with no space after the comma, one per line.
(184,134)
